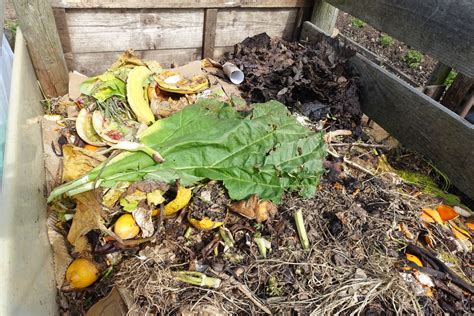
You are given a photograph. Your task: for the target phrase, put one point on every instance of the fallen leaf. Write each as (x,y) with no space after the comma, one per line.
(460,233)
(113,195)
(155,197)
(414,259)
(143,218)
(78,161)
(431,216)
(130,201)
(86,218)
(446,212)
(82,245)
(61,257)
(252,208)
(112,304)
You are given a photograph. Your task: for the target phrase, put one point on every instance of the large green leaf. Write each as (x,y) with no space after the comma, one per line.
(264,152)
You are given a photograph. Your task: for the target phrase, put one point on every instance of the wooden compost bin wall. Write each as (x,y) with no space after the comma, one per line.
(92,37)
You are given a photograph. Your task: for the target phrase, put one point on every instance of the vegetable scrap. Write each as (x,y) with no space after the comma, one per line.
(176,191)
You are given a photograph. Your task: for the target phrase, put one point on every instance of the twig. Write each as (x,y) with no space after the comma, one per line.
(244,289)
(350,163)
(359,145)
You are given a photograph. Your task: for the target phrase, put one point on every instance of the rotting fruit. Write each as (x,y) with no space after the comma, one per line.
(81,273)
(126,227)
(182,199)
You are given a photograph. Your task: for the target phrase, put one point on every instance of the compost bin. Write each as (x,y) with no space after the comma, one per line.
(366,198)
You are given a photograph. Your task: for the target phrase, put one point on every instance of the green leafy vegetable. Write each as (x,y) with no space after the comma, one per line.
(265,152)
(103,87)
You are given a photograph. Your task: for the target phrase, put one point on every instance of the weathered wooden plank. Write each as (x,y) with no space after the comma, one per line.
(173,4)
(63,31)
(110,30)
(210,20)
(417,121)
(297,25)
(324,16)
(455,96)
(439,74)
(442,29)
(39,29)
(95,63)
(234,25)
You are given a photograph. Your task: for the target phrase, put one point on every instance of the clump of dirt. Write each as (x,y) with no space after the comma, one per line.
(391,49)
(209,201)
(307,77)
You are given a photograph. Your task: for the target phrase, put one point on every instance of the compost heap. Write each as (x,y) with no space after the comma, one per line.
(169,194)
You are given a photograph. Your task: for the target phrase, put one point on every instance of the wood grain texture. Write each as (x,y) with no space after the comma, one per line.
(456,95)
(95,63)
(39,29)
(111,30)
(173,4)
(209,40)
(63,31)
(234,25)
(324,16)
(442,29)
(416,120)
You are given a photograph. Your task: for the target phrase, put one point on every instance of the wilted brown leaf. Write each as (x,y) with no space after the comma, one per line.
(87,217)
(78,161)
(112,304)
(252,208)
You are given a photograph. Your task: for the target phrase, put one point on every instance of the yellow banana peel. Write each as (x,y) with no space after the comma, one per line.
(137,94)
(183,196)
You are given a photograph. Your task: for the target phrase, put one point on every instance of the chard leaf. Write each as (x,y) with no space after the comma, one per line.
(265,152)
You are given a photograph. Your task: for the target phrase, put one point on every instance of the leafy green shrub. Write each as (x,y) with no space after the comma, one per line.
(357,23)
(386,41)
(450,78)
(413,58)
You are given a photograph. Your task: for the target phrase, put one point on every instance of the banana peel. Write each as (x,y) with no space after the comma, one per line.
(173,81)
(85,129)
(183,196)
(137,94)
(205,223)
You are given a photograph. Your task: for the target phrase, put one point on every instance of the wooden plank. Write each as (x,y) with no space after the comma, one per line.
(455,96)
(63,31)
(172,4)
(234,25)
(418,122)
(324,16)
(439,74)
(442,29)
(39,29)
(298,23)
(95,63)
(210,20)
(111,30)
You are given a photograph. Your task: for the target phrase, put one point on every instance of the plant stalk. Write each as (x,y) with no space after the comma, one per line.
(198,279)
(298,215)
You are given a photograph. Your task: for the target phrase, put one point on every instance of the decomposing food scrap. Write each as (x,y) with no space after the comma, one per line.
(169,192)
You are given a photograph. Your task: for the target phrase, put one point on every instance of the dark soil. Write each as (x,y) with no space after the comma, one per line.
(369,37)
(310,78)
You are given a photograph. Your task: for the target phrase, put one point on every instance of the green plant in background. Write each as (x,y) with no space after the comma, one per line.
(413,58)
(450,78)
(357,23)
(386,41)
(11,25)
